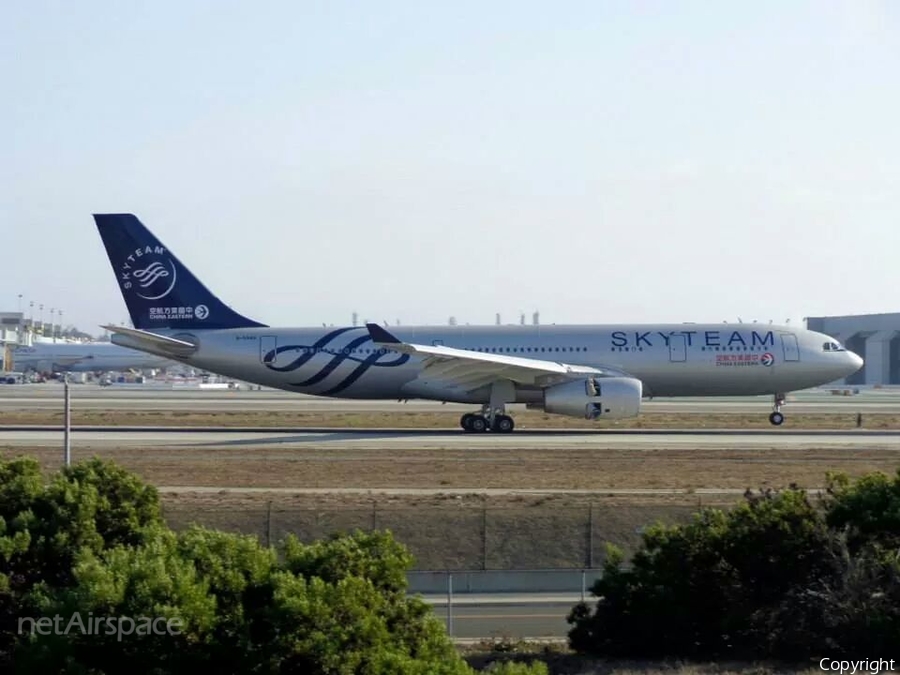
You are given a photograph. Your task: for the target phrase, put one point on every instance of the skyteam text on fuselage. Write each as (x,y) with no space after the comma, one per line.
(586,371)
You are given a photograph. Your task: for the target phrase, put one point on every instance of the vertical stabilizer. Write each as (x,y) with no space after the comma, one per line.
(160,291)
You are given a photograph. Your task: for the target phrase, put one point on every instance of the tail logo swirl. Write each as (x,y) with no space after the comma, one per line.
(149,273)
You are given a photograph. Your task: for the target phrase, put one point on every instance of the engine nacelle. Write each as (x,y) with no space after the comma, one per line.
(595,398)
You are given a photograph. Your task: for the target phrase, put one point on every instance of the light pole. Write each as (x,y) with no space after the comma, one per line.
(67,446)
(52,325)
(20,331)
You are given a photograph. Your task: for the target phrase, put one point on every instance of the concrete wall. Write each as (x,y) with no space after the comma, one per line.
(875,337)
(503,581)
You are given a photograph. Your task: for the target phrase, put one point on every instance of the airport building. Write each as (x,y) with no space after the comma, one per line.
(16,329)
(12,327)
(875,337)
(12,332)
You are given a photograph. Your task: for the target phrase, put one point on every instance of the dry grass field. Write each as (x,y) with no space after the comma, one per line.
(430,420)
(568,468)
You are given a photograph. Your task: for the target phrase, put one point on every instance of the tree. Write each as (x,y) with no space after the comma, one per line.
(90,545)
(869,509)
(773,577)
(91,506)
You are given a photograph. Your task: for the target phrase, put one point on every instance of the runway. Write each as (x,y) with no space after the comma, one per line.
(445,491)
(435,439)
(153,397)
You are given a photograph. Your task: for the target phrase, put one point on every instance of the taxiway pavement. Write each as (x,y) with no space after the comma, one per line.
(509,615)
(425,439)
(153,397)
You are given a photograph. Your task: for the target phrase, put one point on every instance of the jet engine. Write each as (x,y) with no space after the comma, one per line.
(595,398)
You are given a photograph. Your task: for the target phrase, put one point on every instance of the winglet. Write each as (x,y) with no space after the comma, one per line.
(380,335)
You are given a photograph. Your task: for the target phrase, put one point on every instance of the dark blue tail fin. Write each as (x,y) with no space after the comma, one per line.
(159,290)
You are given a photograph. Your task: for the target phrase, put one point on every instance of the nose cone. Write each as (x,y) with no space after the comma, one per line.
(854,362)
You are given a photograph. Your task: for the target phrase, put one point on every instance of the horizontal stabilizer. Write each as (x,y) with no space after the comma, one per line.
(151,343)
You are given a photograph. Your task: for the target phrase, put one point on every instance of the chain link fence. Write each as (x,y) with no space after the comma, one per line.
(465,538)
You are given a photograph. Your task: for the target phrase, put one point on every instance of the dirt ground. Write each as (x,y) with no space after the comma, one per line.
(427,420)
(569,468)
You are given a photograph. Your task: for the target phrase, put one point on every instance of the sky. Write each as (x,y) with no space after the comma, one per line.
(598,162)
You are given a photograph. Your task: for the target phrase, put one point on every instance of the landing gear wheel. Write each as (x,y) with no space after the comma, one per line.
(466,421)
(504,424)
(478,424)
(776,418)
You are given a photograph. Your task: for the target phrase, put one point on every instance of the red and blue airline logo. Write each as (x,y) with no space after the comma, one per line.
(767,359)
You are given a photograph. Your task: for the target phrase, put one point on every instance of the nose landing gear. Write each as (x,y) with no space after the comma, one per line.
(777,418)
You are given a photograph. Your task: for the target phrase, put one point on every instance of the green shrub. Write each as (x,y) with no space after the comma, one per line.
(869,509)
(856,609)
(91,544)
(91,506)
(776,576)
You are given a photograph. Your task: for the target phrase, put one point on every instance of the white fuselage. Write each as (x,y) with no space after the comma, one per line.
(669,359)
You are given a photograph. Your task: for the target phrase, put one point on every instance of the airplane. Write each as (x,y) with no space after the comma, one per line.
(593,372)
(83,357)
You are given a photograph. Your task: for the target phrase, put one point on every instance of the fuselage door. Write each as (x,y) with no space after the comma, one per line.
(677,348)
(267,347)
(791,349)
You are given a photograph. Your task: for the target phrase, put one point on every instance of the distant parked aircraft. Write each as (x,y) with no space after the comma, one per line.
(83,357)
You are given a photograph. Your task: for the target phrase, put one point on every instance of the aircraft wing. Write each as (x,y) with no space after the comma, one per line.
(470,370)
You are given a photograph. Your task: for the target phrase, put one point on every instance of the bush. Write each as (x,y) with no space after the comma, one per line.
(854,610)
(869,509)
(776,577)
(91,544)
(89,507)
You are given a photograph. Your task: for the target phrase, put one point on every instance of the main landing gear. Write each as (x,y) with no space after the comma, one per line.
(487,420)
(777,418)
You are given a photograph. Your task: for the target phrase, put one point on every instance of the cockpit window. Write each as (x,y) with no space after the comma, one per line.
(833,347)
